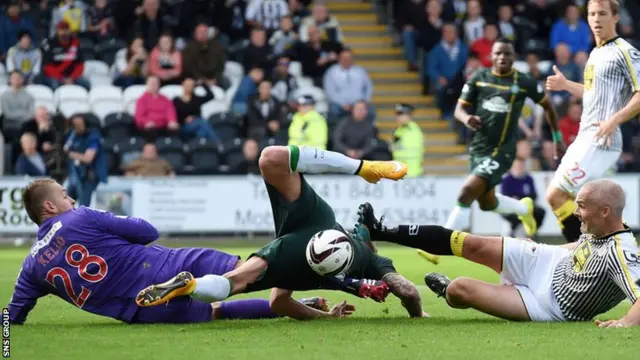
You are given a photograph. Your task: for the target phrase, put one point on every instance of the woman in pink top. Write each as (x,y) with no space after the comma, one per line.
(155,114)
(166,61)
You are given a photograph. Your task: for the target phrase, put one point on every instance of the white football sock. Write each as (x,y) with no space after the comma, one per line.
(507,205)
(458,218)
(211,288)
(305,159)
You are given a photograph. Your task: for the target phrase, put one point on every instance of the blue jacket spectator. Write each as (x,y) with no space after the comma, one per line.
(30,161)
(11,25)
(566,65)
(248,87)
(573,31)
(87,164)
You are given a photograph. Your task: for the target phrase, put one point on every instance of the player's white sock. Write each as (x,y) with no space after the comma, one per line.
(458,218)
(305,159)
(507,205)
(211,288)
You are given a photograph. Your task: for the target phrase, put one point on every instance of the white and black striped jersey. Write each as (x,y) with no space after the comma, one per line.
(597,275)
(267,12)
(611,78)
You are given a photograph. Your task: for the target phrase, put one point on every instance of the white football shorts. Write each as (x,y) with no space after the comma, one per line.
(583,162)
(529,267)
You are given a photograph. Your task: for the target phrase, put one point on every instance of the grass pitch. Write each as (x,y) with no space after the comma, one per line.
(56,330)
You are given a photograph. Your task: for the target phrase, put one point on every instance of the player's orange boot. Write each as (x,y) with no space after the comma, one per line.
(182,284)
(528,221)
(374,171)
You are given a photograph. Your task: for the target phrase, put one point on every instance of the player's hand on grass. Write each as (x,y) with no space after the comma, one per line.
(622,323)
(604,136)
(556,82)
(473,122)
(342,309)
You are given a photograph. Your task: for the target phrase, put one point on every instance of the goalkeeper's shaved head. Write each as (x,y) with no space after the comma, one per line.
(607,193)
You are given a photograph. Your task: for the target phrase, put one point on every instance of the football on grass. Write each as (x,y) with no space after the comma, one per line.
(329,252)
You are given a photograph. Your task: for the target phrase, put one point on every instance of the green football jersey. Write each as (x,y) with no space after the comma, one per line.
(498,101)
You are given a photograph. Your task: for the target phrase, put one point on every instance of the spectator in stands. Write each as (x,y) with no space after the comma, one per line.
(506,25)
(63,63)
(2,155)
(473,64)
(264,115)
(518,184)
(17,105)
(570,124)
(572,30)
(248,87)
(30,161)
(355,136)
(346,83)
(534,70)
(580,59)
(151,23)
(284,84)
(155,113)
(25,58)
(101,25)
(570,70)
(73,12)
(250,151)
(530,122)
(285,38)
(42,127)
(258,52)
(317,55)
(308,127)
(11,26)
(325,22)
(421,25)
(188,110)
(229,19)
(483,46)
(266,14)
(458,10)
(473,25)
(165,61)
(203,58)
(298,11)
(408,141)
(87,164)
(149,164)
(133,67)
(541,14)
(446,62)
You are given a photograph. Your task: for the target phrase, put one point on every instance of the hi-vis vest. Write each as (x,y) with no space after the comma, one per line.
(408,147)
(309,129)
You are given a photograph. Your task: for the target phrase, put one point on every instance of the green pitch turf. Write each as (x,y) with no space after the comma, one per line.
(57,330)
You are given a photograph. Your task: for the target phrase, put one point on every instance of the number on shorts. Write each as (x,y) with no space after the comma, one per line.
(82,264)
(575,173)
(488,166)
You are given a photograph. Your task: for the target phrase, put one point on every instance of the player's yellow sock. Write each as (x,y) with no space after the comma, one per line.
(457,242)
(569,223)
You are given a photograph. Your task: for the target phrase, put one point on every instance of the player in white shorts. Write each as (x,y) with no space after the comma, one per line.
(611,96)
(539,282)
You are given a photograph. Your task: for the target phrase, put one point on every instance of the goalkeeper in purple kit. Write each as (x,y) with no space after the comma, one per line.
(99,262)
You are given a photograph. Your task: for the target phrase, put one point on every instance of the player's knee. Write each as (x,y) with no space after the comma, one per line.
(467,195)
(460,292)
(487,205)
(274,158)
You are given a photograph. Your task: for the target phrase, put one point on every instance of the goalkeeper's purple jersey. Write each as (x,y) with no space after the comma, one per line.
(92,259)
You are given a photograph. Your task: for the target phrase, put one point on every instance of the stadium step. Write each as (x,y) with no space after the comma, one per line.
(393,83)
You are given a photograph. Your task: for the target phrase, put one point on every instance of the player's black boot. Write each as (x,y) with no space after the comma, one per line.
(438,283)
(367,217)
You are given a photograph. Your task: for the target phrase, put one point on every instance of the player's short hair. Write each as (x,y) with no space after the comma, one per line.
(614,4)
(504,40)
(34,196)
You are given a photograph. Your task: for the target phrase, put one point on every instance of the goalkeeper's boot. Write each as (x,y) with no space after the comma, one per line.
(528,221)
(374,171)
(182,284)
(438,283)
(367,218)
(316,302)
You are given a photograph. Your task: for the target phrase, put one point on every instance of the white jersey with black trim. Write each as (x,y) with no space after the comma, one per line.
(597,275)
(611,78)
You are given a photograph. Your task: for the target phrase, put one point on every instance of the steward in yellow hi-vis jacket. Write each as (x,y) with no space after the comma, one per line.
(308,127)
(408,141)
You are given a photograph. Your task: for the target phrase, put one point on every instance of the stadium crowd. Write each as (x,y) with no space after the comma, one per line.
(155,88)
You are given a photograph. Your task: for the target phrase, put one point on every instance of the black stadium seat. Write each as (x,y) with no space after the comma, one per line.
(226,132)
(111,151)
(175,159)
(266,142)
(234,160)
(169,144)
(91,120)
(118,125)
(128,148)
(204,160)
(223,119)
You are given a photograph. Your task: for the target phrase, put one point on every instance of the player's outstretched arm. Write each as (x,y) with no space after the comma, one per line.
(132,229)
(25,296)
(406,291)
(558,82)
(283,304)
